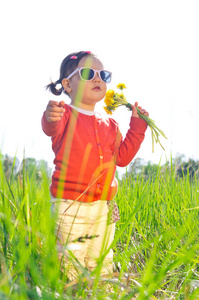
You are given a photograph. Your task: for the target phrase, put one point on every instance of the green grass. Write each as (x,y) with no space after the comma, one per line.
(156,244)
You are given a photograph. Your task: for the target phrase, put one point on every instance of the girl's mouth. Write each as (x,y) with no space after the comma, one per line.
(97,88)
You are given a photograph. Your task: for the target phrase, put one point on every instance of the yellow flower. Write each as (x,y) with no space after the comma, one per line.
(109,97)
(121,86)
(109,112)
(110,94)
(121,96)
(108,101)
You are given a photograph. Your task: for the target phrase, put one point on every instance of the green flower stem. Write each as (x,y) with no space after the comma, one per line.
(155,131)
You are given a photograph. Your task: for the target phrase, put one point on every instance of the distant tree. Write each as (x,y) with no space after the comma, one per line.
(178,159)
(10,165)
(150,170)
(32,168)
(135,167)
(190,168)
(29,167)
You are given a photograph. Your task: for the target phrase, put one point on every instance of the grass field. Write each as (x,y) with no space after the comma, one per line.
(156,244)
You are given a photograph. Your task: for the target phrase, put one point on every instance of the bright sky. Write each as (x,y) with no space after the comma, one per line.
(151,46)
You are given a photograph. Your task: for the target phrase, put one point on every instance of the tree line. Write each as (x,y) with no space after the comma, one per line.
(14,168)
(181,167)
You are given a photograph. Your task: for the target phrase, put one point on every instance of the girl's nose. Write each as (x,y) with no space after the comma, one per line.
(96,77)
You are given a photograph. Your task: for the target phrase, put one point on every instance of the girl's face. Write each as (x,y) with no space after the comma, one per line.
(91,91)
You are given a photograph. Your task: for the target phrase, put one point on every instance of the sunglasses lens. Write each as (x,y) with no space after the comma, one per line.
(87,74)
(105,76)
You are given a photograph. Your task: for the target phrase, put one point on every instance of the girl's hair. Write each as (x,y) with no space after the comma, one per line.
(68,65)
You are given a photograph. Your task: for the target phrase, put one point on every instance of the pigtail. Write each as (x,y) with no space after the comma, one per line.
(52,87)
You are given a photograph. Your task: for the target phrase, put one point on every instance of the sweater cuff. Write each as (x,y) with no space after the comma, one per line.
(138,124)
(49,128)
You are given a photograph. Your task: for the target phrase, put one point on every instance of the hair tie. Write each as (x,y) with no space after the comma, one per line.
(58,81)
(73,57)
(58,84)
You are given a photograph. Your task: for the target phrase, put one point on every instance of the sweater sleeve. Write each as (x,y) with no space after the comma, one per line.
(129,147)
(54,128)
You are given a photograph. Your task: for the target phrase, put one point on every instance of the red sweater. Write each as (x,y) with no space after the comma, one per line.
(87,150)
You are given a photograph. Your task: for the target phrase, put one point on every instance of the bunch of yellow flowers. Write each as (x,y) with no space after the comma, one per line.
(113,100)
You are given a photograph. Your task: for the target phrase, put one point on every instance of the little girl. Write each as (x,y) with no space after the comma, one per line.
(87,150)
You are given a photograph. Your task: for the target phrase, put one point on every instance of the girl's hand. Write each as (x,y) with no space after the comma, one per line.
(54,111)
(134,111)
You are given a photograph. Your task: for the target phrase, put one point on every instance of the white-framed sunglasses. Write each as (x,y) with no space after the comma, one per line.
(89,73)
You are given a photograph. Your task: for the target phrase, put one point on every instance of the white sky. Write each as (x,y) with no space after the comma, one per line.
(151,46)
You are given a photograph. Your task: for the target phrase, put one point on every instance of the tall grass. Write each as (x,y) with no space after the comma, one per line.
(161,241)
(156,244)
